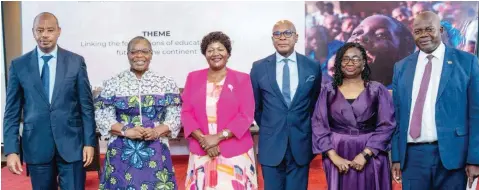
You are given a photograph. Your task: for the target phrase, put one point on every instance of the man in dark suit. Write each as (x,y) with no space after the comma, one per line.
(286,86)
(50,86)
(435,92)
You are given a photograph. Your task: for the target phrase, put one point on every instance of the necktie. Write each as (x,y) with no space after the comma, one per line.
(46,75)
(416,120)
(286,86)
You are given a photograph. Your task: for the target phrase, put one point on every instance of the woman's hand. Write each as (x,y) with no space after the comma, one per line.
(359,162)
(150,134)
(213,151)
(162,130)
(340,163)
(136,132)
(209,141)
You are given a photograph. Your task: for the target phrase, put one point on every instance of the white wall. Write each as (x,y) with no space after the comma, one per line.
(110,25)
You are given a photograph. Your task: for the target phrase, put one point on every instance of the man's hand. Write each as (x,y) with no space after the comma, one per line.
(213,151)
(14,165)
(136,132)
(88,152)
(396,170)
(96,91)
(472,172)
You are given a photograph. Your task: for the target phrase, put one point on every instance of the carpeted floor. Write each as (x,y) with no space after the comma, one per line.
(317,179)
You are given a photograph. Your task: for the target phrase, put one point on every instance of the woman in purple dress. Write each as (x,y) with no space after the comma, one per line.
(352,125)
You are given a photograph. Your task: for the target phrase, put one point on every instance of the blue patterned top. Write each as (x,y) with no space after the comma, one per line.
(124,95)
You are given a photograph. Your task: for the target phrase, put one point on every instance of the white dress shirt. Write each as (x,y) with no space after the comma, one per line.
(293,72)
(52,65)
(428,129)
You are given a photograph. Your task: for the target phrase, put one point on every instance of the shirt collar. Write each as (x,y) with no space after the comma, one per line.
(292,57)
(54,53)
(438,53)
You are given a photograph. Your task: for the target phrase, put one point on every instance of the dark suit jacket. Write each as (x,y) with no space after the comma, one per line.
(279,124)
(457,108)
(67,124)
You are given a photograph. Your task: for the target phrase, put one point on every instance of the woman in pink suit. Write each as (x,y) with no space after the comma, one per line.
(218,110)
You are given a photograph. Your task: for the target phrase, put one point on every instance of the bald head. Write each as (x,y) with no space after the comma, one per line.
(284,23)
(428,16)
(45,16)
(46,31)
(427,31)
(284,37)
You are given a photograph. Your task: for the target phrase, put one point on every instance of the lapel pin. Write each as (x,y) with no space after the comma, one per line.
(449,62)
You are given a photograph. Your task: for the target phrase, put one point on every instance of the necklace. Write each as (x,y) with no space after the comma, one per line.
(216,78)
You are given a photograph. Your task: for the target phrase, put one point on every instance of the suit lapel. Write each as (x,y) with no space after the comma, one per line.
(447,68)
(35,73)
(200,96)
(271,71)
(226,97)
(409,79)
(226,92)
(60,73)
(302,70)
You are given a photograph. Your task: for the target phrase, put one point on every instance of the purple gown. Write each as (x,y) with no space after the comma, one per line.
(348,129)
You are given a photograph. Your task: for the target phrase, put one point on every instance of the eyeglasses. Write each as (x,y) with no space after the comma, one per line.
(355,60)
(286,33)
(142,51)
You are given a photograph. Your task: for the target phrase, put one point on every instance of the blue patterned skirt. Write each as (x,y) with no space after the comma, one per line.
(137,165)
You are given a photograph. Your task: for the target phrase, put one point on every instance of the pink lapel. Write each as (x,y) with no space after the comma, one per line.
(227,102)
(199,96)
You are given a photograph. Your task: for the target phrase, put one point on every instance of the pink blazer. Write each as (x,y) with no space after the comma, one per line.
(235,111)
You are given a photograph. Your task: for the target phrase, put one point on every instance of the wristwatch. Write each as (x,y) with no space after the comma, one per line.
(123,130)
(366,156)
(225,134)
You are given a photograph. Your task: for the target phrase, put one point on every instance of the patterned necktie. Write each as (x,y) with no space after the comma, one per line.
(415,129)
(286,87)
(46,75)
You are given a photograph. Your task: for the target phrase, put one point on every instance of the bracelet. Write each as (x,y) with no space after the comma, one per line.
(366,156)
(123,130)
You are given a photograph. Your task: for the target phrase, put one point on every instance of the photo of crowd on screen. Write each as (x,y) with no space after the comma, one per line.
(384,29)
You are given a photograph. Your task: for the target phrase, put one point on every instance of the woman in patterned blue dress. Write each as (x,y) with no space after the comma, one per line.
(137,110)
